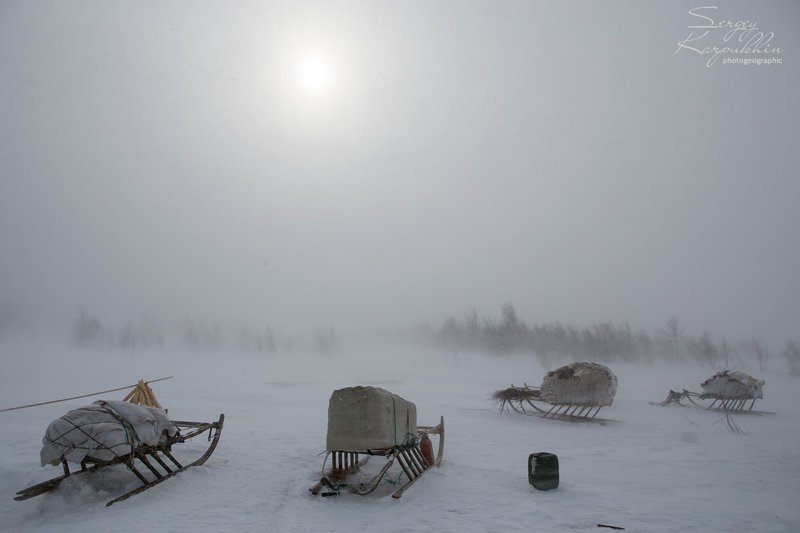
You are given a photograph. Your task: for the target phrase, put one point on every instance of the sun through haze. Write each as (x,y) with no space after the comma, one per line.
(377,164)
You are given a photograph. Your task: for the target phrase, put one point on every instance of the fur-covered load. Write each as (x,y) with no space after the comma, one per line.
(104,431)
(729,385)
(580,384)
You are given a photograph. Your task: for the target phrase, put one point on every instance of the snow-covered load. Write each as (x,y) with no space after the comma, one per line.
(732,385)
(581,383)
(103,431)
(364,419)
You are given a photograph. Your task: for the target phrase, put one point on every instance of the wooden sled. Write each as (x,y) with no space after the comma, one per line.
(408,455)
(520,399)
(152,457)
(726,405)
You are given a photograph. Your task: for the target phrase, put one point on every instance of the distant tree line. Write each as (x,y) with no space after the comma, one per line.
(603,342)
(90,332)
(549,342)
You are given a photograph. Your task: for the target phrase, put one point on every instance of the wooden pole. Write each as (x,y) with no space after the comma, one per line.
(77,397)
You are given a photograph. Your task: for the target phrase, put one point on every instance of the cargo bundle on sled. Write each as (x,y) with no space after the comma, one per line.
(134,432)
(575,392)
(370,421)
(728,391)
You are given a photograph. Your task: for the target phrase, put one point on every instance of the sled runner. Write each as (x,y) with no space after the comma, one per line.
(573,393)
(108,433)
(364,422)
(728,391)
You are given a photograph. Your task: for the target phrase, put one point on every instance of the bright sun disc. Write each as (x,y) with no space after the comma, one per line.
(314,75)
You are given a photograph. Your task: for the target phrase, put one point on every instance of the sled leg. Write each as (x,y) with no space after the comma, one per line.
(688,395)
(548,413)
(143,458)
(416,457)
(520,409)
(399,492)
(420,459)
(405,467)
(138,474)
(171,458)
(532,404)
(214,434)
(160,461)
(343,464)
(147,485)
(404,457)
(412,470)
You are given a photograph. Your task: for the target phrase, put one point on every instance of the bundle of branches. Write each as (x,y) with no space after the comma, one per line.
(142,394)
(508,397)
(675,397)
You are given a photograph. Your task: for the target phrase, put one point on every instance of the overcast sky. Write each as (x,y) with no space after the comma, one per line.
(386,163)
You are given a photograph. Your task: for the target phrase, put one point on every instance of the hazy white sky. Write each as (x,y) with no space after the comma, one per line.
(386,163)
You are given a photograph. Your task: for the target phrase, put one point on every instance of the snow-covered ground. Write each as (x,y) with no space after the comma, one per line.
(653,469)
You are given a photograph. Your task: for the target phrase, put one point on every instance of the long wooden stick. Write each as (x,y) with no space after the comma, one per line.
(76,397)
(129,395)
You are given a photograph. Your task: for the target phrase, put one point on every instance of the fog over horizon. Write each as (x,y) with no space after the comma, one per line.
(381,164)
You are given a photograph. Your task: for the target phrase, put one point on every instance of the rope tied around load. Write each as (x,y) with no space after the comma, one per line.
(126,425)
(133,443)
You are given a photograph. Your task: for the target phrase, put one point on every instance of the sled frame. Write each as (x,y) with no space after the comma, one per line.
(408,456)
(520,399)
(696,399)
(157,460)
